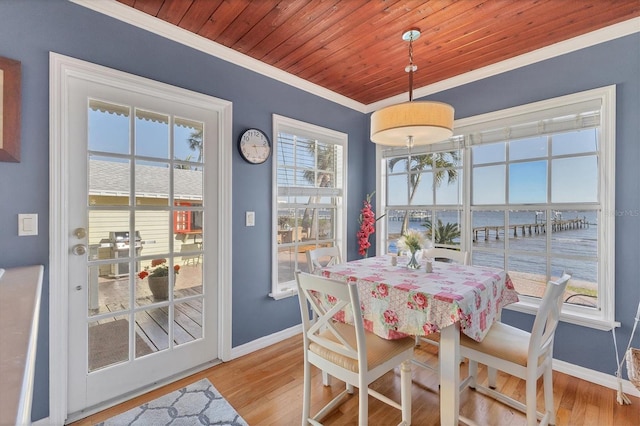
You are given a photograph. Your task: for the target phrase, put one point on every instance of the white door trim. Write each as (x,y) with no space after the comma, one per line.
(60,69)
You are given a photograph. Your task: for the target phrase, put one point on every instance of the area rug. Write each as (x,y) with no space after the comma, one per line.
(197,404)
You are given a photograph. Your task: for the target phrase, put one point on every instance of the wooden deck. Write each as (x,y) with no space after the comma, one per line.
(152,323)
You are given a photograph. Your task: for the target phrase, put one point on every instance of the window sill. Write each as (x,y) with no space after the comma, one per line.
(592,321)
(283,293)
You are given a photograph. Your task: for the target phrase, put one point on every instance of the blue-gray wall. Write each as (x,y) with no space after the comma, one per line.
(29,30)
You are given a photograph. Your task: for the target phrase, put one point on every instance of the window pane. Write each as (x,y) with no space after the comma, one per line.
(421,189)
(492,260)
(397,165)
(188,141)
(528,182)
(490,153)
(574,180)
(449,190)
(397,190)
(326,221)
(575,142)
(152,134)
(528,148)
(152,183)
(447,229)
(529,275)
(108,127)
(109,181)
(527,231)
(287,264)
(575,233)
(489,185)
(488,229)
(395,219)
(155,235)
(582,288)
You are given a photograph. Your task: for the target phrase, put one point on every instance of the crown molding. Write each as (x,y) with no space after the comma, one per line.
(157,26)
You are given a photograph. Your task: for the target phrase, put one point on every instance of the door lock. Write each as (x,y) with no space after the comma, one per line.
(80,233)
(79,249)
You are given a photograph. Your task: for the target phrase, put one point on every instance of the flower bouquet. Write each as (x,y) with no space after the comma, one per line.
(413,240)
(367,226)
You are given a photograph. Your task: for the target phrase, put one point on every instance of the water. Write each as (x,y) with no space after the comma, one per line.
(569,242)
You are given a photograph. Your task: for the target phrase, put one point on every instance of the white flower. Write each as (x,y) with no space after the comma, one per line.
(413,240)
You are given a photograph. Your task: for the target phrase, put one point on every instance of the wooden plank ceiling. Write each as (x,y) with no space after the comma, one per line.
(355,47)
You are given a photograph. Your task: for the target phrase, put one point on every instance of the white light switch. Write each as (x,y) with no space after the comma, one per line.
(250,219)
(27,224)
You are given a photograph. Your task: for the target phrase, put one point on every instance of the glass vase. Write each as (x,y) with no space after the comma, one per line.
(413,262)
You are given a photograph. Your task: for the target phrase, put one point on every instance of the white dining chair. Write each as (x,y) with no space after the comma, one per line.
(317,259)
(323,256)
(436,253)
(521,354)
(347,351)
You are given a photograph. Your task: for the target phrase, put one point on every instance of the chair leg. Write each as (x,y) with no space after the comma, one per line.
(306,394)
(492,375)
(363,404)
(548,394)
(326,378)
(405,391)
(473,373)
(531,387)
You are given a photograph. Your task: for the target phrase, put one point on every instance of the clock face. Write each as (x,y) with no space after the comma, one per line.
(254,146)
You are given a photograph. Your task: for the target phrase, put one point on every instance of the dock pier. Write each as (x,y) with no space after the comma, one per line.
(529,228)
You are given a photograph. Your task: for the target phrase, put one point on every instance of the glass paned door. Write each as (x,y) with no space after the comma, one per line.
(143,310)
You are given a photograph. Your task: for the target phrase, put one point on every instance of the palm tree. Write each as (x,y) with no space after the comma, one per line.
(195,143)
(442,234)
(320,177)
(442,163)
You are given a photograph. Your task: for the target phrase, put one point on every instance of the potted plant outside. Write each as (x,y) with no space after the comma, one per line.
(158,274)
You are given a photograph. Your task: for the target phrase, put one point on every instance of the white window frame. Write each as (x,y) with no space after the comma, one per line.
(281,123)
(604,318)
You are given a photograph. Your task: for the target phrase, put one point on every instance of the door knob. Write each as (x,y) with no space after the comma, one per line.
(79,249)
(80,233)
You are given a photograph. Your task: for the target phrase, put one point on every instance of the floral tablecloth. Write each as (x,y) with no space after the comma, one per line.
(397,301)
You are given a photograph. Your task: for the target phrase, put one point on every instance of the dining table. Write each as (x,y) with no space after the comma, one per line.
(398,301)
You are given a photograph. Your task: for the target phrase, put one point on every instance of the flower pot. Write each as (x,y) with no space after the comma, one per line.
(159,287)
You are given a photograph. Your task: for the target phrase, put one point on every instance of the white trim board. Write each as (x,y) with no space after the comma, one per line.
(157,26)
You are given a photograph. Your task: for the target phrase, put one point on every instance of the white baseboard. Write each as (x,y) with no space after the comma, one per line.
(265,341)
(596,377)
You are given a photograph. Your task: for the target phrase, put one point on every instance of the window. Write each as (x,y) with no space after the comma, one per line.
(529,189)
(424,192)
(310,169)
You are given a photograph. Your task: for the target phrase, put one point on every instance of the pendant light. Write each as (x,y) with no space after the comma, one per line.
(415,122)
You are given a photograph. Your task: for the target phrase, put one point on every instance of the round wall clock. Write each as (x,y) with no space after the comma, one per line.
(254,146)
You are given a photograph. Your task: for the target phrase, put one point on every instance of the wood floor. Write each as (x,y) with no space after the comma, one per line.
(265,387)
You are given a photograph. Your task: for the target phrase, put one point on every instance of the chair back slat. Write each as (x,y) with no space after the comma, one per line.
(461,257)
(547,318)
(327,299)
(323,256)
